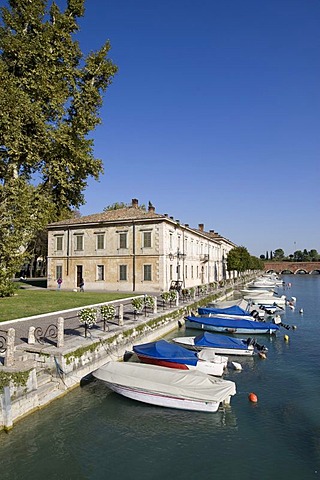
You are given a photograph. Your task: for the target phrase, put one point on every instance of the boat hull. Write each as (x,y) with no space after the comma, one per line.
(165,400)
(166,387)
(217,369)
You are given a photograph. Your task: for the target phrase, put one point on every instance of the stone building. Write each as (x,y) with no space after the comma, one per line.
(134,250)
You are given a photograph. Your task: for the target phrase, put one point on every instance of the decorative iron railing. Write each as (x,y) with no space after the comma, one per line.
(3,341)
(51,332)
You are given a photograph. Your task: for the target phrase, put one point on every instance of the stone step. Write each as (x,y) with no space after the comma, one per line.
(48,392)
(43,378)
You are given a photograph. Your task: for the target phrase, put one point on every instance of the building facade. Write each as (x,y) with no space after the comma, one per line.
(134,250)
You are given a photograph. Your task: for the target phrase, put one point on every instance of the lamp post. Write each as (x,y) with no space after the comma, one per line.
(179,256)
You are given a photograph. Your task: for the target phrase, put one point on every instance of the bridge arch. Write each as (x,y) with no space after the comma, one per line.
(315,272)
(292,267)
(286,272)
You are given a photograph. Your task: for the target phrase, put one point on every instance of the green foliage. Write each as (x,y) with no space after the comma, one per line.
(239,259)
(19,379)
(22,212)
(88,316)
(298,256)
(138,304)
(166,297)
(119,205)
(149,301)
(50,96)
(173,295)
(108,312)
(278,254)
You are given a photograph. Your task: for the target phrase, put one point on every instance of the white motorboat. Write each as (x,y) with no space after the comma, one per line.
(256,292)
(166,387)
(261,300)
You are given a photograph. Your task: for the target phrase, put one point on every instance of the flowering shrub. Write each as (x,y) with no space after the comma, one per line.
(138,304)
(166,296)
(88,316)
(173,295)
(108,312)
(149,301)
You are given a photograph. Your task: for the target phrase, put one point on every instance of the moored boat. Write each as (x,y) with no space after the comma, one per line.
(221,344)
(231,325)
(171,355)
(166,387)
(230,312)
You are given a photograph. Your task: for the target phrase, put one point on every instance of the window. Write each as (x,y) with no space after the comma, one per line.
(191,271)
(79,242)
(123,240)
(100,272)
(100,241)
(170,272)
(170,241)
(147,273)
(146,239)
(186,271)
(59,243)
(122,272)
(59,271)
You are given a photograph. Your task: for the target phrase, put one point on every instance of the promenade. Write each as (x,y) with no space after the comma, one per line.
(47,355)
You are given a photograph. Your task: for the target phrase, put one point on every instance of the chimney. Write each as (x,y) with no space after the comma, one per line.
(187,225)
(211,231)
(201,227)
(151,208)
(135,203)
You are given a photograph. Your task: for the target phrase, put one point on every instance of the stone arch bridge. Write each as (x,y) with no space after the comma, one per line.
(312,268)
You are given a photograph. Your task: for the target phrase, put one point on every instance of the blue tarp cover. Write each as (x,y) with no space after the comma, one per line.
(234,310)
(164,350)
(207,339)
(233,323)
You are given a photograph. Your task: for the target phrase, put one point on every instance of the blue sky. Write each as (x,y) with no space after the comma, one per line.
(213,116)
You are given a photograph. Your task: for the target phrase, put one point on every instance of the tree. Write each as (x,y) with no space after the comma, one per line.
(50,97)
(239,259)
(298,256)
(278,254)
(18,202)
(119,205)
(313,255)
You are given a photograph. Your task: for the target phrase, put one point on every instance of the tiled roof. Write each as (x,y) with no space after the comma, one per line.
(128,213)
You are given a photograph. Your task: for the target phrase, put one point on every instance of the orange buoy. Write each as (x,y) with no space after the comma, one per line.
(253,397)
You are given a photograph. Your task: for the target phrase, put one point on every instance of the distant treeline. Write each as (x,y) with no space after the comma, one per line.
(297,256)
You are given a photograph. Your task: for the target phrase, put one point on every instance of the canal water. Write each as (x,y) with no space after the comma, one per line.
(93,433)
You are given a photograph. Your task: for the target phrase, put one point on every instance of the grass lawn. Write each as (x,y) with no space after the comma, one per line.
(28,302)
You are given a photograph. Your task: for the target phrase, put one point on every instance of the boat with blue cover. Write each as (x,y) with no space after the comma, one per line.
(233,312)
(231,325)
(221,344)
(165,354)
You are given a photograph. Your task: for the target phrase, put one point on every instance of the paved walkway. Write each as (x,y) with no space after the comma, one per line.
(72,326)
